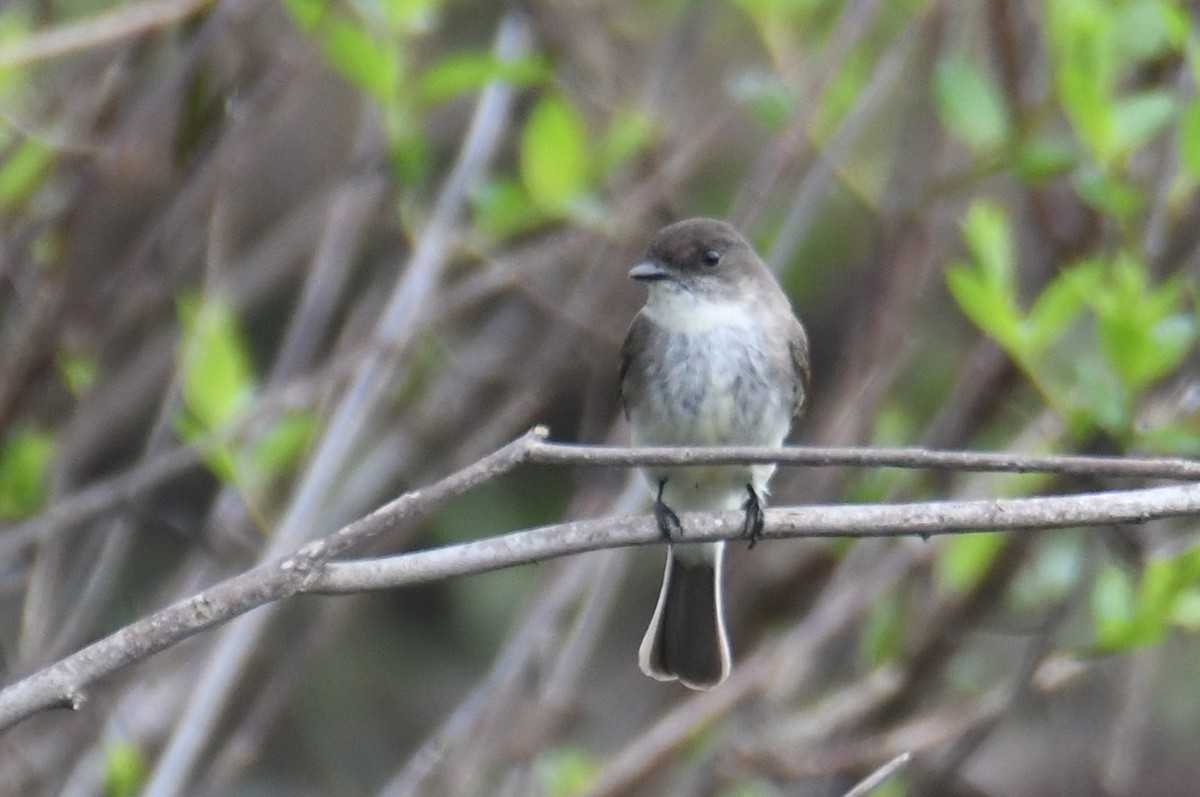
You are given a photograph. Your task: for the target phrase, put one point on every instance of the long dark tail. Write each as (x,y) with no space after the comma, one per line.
(686,639)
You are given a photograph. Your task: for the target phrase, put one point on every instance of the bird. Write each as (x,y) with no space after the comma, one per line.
(715,356)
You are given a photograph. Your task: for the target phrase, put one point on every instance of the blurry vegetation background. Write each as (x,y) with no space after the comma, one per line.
(255,254)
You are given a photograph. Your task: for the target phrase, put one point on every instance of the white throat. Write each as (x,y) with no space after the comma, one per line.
(682,311)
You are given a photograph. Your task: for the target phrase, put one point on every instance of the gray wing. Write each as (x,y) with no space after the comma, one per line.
(631,378)
(801,367)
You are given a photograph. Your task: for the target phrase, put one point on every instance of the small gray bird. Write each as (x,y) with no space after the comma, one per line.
(715,357)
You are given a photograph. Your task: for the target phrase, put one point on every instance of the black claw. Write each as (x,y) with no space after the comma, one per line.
(668,521)
(753,525)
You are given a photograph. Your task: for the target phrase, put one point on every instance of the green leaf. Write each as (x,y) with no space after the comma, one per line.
(411,17)
(24,462)
(217,380)
(769,103)
(1140,118)
(77,369)
(372,67)
(1131,618)
(1189,138)
(124,769)
(987,307)
(503,209)
(410,157)
(1113,599)
(1059,302)
(1044,158)
(307,13)
(283,444)
(1101,400)
(1186,612)
(1142,332)
(1084,53)
(1108,194)
(965,558)
(986,290)
(628,135)
(23,171)
(1149,29)
(1178,438)
(555,163)
(970,105)
(987,233)
(464,73)
(564,772)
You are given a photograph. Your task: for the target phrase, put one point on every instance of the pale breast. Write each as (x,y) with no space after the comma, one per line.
(712,386)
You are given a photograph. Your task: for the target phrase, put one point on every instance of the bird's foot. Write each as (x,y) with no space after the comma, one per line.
(668,521)
(752,527)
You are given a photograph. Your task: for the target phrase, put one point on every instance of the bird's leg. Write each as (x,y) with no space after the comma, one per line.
(752,527)
(668,521)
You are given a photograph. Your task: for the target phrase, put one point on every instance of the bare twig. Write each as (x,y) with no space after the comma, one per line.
(98,30)
(1151,468)
(868,784)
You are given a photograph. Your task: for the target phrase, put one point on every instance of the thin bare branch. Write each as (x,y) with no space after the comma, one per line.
(1151,468)
(98,30)
(868,784)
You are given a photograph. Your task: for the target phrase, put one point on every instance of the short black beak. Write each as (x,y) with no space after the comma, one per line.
(648,271)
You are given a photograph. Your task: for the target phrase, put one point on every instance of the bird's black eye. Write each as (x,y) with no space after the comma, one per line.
(710,258)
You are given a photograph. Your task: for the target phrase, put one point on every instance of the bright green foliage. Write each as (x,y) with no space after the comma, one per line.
(307,14)
(1141,331)
(281,446)
(23,171)
(372,46)
(971,106)
(1093,44)
(555,163)
(463,73)
(985,288)
(372,66)
(24,461)
(407,17)
(124,769)
(560,167)
(628,135)
(217,379)
(218,387)
(1042,158)
(503,208)
(1189,138)
(566,771)
(1128,614)
(1143,334)
(78,371)
(965,558)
